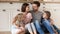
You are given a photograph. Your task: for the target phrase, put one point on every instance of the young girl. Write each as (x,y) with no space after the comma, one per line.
(48,22)
(18,25)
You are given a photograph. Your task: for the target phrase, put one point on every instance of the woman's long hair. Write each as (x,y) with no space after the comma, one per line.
(23,8)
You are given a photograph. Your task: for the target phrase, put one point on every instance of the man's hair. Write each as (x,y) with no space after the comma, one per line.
(37,3)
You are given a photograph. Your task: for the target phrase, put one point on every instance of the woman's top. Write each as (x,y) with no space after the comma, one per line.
(28,18)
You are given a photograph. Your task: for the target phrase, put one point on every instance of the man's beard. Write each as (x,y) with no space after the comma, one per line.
(35,10)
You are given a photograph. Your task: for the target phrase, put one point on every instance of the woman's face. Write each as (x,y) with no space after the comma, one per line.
(27,9)
(45,16)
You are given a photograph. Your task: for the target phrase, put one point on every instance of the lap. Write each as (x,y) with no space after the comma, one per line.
(15,30)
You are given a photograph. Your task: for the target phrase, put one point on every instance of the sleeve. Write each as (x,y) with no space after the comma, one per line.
(29,15)
(42,17)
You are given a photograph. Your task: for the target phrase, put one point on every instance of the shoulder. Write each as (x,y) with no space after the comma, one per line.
(29,14)
(40,12)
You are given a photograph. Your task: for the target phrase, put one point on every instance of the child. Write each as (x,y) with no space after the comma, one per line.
(48,22)
(19,25)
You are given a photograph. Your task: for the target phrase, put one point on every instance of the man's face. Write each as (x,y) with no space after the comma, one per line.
(35,7)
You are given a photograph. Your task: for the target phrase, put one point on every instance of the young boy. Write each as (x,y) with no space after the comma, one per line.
(48,22)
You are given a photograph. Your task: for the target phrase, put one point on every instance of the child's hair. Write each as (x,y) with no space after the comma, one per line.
(48,14)
(18,17)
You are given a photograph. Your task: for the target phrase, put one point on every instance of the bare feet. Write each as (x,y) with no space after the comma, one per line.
(56,32)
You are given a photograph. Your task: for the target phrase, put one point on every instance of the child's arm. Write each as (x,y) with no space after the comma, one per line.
(51,22)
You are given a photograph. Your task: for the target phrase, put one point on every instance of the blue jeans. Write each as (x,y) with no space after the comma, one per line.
(46,23)
(38,27)
(56,29)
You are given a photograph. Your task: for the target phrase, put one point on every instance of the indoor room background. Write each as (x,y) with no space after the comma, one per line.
(9,9)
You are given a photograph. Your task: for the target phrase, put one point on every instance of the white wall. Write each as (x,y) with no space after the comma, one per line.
(7,16)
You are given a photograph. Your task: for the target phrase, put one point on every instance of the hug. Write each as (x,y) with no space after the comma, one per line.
(33,21)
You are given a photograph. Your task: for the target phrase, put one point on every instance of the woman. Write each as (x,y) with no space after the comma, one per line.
(29,26)
(27,18)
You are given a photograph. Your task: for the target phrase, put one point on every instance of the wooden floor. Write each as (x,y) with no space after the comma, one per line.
(5,32)
(8,32)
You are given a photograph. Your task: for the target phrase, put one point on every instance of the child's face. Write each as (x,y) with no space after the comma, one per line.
(20,17)
(45,16)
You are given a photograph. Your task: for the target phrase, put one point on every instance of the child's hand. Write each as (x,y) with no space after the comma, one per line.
(55,32)
(22,29)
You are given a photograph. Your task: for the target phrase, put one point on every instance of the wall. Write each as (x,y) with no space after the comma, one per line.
(7,12)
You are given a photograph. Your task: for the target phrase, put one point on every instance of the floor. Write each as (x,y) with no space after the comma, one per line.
(5,32)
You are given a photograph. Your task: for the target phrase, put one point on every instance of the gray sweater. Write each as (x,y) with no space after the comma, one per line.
(36,16)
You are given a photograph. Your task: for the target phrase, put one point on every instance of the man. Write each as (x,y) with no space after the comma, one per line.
(37,16)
